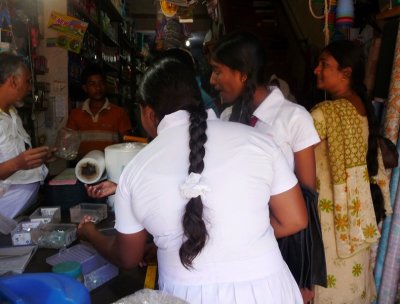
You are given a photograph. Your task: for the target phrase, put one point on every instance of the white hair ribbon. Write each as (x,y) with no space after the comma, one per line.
(193,188)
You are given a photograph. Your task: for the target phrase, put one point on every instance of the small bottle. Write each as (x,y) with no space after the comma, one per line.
(70,268)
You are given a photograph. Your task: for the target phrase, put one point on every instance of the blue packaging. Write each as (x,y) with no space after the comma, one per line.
(42,288)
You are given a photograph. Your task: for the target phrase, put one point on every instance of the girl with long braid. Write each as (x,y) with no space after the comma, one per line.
(350,175)
(203,188)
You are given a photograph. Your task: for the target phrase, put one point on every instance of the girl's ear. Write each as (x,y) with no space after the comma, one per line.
(153,117)
(84,88)
(347,72)
(149,120)
(243,78)
(12,81)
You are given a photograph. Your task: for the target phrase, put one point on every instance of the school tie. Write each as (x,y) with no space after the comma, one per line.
(253,120)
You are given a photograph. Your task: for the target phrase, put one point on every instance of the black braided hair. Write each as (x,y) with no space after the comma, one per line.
(243,52)
(193,224)
(350,54)
(168,86)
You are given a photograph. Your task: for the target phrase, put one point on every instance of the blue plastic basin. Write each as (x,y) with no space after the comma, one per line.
(42,288)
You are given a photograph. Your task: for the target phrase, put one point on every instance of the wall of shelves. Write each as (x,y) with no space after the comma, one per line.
(108,42)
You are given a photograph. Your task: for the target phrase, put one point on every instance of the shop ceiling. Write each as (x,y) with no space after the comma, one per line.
(256,15)
(144,12)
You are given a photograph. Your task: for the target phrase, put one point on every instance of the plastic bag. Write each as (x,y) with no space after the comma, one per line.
(67,144)
(150,296)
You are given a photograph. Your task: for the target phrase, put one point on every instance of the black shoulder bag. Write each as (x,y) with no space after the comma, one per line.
(304,252)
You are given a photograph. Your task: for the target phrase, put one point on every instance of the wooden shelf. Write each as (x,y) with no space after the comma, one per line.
(391,13)
(112,11)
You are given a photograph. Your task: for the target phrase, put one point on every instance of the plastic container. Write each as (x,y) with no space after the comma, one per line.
(54,235)
(67,144)
(90,168)
(118,156)
(46,215)
(69,268)
(42,288)
(96,270)
(21,235)
(97,211)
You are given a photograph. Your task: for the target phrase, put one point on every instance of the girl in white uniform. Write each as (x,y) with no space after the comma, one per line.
(202,188)
(239,74)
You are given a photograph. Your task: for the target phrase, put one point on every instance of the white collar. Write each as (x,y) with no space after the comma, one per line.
(269,107)
(178,118)
(86,106)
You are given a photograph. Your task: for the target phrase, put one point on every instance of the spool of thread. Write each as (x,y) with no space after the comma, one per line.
(344,14)
(90,168)
(70,268)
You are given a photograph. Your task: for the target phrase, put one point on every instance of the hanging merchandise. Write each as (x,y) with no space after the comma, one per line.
(185,14)
(387,267)
(332,17)
(7,41)
(168,9)
(182,2)
(212,9)
(327,16)
(70,31)
(344,14)
(174,36)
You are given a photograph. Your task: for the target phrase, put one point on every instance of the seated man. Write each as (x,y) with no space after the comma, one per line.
(99,122)
(21,166)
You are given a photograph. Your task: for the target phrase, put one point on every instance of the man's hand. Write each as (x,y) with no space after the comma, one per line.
(102,189)
(31,158)
(50,157)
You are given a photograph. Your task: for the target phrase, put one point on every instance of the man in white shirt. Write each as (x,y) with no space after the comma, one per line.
(21,166)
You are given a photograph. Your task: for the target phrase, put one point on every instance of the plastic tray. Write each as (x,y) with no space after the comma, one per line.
(97,211)
(21,235)
(96,270)
(46,215)
(54,235)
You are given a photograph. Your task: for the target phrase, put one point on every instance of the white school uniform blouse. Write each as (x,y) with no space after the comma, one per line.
(241,261)
(290,124)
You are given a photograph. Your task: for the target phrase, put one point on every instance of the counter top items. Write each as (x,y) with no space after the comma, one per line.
(46,215)
(22,234)
(150,296)
(69,268)
(67,143)
(6,224)
(42,288)
(66,177)
(91,168)
(97,211)
(96,270)
(54,236)
(15,259)
(118,156)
